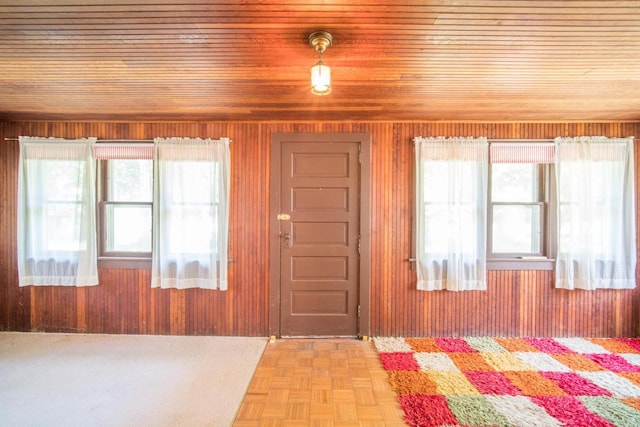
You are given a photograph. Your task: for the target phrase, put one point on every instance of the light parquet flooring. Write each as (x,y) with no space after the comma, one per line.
(319,382)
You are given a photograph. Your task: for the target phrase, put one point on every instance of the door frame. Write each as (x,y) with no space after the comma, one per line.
(277,139)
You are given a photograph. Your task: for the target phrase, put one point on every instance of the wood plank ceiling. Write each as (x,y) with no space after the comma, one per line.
(487,60)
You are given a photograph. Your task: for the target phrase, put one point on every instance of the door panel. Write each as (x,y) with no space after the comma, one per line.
(319,260)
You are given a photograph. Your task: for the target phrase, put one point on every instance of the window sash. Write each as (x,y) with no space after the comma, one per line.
(540,230)
(105,197)
(544,193)
(107,230)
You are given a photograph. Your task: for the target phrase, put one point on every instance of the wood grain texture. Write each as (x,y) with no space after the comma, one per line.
(517,303)
(301,382)
(414,60)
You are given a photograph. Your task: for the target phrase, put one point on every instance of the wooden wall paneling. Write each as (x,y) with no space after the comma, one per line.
(242,225)
(388,222)
(6,175)
(96,304)
(492,316)
(545,305)
(628,304)
(585,299)
(503,319)
(497,317)
(534,302)
(257,291)
(607,311)
(403,189)
(501,304)
(384,213)
(403,317)
(382,289)
(379,294)
(550,56)
(520,303)
(130,303)
(510,306)
(81,309)
(114,300)
(142,307)
(177,311)
(253,247)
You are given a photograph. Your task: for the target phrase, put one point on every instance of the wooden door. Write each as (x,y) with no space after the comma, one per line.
(319,233)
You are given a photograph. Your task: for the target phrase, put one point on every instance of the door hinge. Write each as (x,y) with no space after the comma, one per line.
(358,311)
(358,245)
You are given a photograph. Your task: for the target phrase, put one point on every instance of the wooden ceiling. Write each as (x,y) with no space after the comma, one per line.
(466,60)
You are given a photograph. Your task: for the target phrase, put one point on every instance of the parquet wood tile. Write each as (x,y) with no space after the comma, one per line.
(319,382)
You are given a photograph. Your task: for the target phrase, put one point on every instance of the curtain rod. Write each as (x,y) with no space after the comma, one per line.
(101,140)
(107,141)
(151,140)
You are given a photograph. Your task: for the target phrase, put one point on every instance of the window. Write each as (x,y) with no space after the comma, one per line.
(126,207)
(125,204)
(521,197)
(517,210)
(165,206)
(567,206)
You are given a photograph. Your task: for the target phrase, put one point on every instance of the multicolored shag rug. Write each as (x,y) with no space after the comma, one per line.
(479,381)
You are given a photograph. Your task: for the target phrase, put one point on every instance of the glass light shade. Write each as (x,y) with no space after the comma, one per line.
(320,79)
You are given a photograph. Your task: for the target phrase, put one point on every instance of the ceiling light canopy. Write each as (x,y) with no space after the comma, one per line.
(320,73)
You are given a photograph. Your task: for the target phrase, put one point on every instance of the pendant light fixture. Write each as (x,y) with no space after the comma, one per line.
(320,73)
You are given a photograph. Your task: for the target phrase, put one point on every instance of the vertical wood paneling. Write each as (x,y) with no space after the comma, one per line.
(522,303)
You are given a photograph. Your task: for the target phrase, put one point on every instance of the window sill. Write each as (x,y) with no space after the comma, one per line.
(125,263)
(521,264)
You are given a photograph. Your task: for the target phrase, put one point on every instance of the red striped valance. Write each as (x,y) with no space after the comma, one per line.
(523,152)
(106,151)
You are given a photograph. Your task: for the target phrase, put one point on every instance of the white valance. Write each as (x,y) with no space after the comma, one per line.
(521,152)
(106,151)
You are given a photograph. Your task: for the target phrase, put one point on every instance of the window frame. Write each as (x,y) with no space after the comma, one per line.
(112,259)
(516,261)
(541,202)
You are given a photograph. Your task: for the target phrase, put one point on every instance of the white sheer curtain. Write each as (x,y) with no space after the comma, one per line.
(596,213)
(56,212)
(190,213)
(451,213)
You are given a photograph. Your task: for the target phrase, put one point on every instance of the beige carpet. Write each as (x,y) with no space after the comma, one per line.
(123,380)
